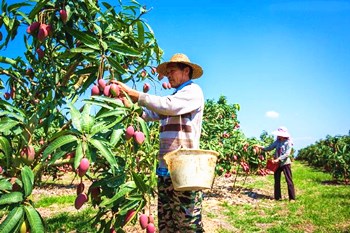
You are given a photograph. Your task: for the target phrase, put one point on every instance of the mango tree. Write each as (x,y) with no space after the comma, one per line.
(48,118)
(331,154)
(238,155)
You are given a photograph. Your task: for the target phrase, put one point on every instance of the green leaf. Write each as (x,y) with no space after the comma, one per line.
(34,219)
(98,127)
(5,185)
(110,101)
(14,7)
(5,147)
(10,198)
(81,50)
(28,180)
(87,121)
(136,197)
(115,64)
(12,220)
(114,113)
(101,104)
(7,60)
(124,189)
(112,182)
(130,205)
(63,140)
(105,152)
(123,49)
(76,116)
(87,70)
(106,127)
(140,32)
(78,155)
(139,182)
(116,136)
(84,38)
(56,156)
(11,108)
(13,115)
(37,9)
(7,124)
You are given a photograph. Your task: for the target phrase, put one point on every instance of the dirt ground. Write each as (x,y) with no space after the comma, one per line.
(213,212)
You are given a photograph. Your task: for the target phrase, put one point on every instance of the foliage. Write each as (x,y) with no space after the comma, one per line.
(49,124)
(222,133)
(331,154)
(44,122)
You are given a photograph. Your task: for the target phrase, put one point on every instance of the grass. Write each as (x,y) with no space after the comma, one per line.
(68,222)
(320,207)
(55,200)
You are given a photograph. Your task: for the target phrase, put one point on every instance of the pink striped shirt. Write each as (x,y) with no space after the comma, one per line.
(180,117)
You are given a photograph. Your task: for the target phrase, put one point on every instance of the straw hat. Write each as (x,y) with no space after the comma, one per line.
(282,132)
(182,58)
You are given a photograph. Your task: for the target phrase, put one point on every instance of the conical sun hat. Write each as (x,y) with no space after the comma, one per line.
(182,58)
(282,132)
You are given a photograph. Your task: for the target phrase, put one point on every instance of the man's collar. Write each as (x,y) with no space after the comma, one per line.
(188,82)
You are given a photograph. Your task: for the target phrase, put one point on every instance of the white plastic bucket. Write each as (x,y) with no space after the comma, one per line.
(191,169)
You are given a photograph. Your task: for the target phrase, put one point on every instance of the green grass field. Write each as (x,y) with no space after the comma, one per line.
(321,206)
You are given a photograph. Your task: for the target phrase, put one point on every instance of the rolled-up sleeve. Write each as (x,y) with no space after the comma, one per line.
(184,101)
(271,146)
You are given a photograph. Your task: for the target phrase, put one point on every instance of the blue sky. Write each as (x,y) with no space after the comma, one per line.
(285,62)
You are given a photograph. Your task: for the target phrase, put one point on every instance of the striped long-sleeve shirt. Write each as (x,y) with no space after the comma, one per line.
(180,117)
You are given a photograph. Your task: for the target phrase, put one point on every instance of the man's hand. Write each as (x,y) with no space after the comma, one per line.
(275,161)
(133,94)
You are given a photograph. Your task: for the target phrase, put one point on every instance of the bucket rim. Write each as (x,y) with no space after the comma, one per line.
(211,152)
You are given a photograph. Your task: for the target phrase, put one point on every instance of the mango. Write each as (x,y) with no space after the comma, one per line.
(42,33)
(40,53)
(80,188)
(95,193)
(63,15)
(129,215)
(146,87)
(33,27)
(150,218)
(129,133)
(24,227)
(114,90)
(139,137)
(101,84)
(143,219)
(28,153)
(150,228)
(80,200)
(95,90)
(106,90)
(7,95)
(84,164)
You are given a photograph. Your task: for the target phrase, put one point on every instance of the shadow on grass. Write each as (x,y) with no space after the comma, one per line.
(224,191)
(68,222)
(53,185)
(335,182)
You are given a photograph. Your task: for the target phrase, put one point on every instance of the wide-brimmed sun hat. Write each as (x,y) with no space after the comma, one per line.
(281,132)
(182,58)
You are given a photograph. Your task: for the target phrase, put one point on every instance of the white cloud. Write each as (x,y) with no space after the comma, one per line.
(272,114)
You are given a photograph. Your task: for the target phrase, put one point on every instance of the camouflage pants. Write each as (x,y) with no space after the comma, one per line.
(178,211)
